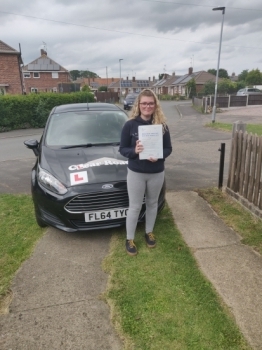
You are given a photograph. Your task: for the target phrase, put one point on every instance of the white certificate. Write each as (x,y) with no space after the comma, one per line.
(151,137)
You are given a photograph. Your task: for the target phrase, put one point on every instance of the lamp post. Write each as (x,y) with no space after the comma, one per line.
(120,88)
(215,97)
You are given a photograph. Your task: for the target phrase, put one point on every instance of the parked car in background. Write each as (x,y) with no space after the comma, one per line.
(248,91)
(129,101)
(78,181)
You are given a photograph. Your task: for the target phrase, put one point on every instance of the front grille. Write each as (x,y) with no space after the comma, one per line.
(96,201)
(80,224)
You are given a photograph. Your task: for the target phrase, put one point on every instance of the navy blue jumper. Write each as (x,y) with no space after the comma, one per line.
(129,136)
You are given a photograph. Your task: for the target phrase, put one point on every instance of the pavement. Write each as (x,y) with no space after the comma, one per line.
(57,295)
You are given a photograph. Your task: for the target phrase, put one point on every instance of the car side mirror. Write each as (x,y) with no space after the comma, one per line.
(33,145)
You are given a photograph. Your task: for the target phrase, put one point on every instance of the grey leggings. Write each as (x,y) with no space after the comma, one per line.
(139,184)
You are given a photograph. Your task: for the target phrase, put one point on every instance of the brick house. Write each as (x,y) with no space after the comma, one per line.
(43,75)
(131,86)
(201,77)
(11,79)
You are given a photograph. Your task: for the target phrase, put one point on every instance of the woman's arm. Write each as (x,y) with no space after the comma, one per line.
(167,146)
(127,148)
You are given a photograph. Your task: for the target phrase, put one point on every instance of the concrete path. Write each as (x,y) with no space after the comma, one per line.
(235,270)
(57,300)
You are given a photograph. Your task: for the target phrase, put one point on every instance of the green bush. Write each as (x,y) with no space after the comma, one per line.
(31,111)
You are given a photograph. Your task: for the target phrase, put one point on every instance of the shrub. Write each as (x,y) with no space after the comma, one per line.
(31,111)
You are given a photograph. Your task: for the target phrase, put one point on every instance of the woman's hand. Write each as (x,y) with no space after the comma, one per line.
(153,160)
(139,147)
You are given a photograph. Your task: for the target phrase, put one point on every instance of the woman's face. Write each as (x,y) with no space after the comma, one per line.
(147,106)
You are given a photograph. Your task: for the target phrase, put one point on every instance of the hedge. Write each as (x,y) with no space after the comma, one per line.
(31,111)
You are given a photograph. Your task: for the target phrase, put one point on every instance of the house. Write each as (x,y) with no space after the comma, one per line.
(129,86)
(43,75)
(233,77)
(11,79)
(96,83)
(201,77)
(164,86)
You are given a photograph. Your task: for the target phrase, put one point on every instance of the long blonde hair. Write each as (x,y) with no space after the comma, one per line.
(158,115)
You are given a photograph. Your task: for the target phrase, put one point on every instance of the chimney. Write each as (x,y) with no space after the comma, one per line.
(174,73)
(149,79)
(126,78)
(112,79)
(153,78)
(43,52)
(134,79)
(190,70)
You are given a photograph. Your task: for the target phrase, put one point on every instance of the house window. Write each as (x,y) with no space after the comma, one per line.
(27,75)
(36,75)
(54,75)
(2,91)
(34,89)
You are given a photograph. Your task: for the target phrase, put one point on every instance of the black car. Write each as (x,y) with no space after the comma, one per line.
(129,101)
(79,179)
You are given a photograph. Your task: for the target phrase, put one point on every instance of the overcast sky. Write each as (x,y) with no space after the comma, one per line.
(150,36)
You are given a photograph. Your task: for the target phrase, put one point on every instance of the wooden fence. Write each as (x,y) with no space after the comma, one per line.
(228,101)
(245,170)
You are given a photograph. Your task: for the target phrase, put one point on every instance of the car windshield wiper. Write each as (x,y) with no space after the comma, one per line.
(81,145)
(107,144)
(92,145)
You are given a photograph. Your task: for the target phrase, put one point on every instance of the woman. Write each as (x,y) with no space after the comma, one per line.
(143,176)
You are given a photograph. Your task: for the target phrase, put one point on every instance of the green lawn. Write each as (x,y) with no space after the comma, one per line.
(18,235)
(254,128)
(160,300)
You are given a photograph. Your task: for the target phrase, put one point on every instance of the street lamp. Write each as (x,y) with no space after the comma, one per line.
(215,97)
(120,90)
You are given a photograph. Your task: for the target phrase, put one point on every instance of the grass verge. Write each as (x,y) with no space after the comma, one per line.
(18,235)
(254,128)
(160,300)
(234,215)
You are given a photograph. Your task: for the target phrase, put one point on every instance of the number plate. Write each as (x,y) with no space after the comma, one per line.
(105,215)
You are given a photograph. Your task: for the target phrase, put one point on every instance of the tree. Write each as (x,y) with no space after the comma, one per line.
(208,88)
(82,74)
(226,86)
(221,74)
(102,88)
(254,77)
(212,71)
(74,74)
(160,76)
(88,74)
(86,88)
(191,88)
(243,75)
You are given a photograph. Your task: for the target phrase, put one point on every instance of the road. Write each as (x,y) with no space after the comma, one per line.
(193,163)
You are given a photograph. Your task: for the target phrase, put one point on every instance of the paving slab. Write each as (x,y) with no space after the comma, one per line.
(235,270)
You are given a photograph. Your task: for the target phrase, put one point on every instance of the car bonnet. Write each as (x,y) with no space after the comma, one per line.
(78,166)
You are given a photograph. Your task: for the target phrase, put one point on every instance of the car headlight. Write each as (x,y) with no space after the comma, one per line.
(124,102)
(50,182)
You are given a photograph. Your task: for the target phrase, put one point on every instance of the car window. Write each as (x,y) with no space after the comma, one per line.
(73,128)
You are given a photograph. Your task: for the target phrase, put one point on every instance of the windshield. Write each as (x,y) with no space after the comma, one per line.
(85,127)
